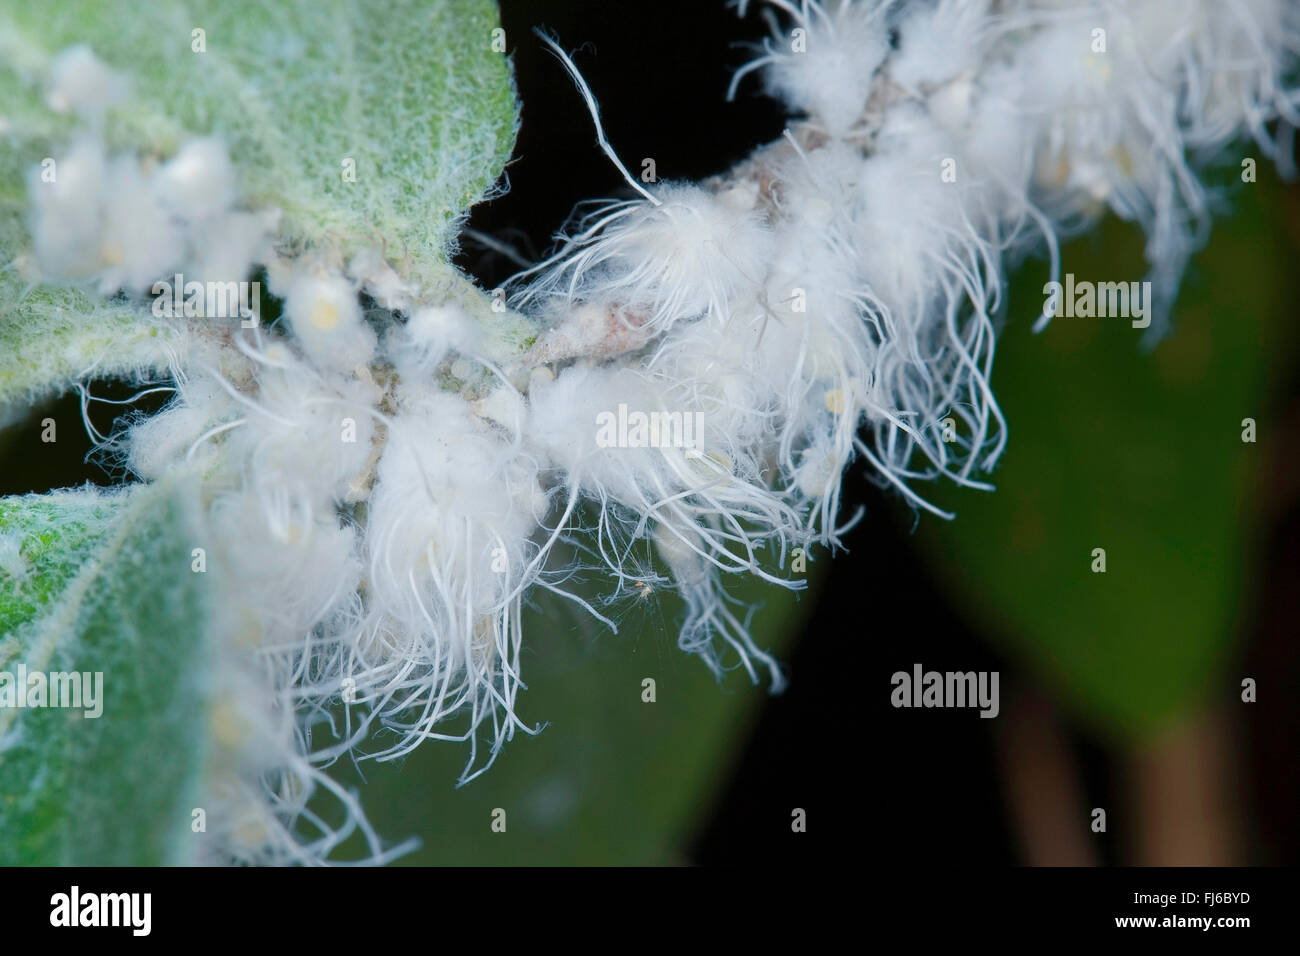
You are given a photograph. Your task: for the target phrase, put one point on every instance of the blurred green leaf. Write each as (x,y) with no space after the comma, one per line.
(49,335)
(101,583)
(411,91)
(1134,451)
(410,95)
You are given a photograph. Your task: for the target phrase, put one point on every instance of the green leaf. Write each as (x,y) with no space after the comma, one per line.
(1137,452)
(100,583)
(410,91)
(50,335)
(61,335)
